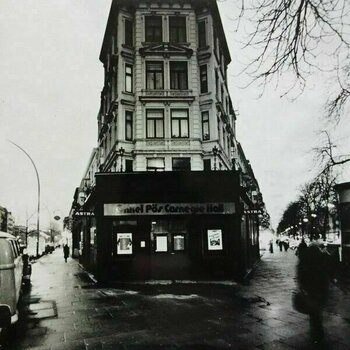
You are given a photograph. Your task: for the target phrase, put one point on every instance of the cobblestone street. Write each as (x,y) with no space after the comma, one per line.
(65,309)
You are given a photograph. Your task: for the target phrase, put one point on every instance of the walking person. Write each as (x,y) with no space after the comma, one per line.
(66,252)
(313,275)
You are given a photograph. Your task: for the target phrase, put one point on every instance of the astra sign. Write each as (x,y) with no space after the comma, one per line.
(120,209)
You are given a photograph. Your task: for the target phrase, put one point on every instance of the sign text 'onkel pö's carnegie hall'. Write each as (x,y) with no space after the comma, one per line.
(116,209)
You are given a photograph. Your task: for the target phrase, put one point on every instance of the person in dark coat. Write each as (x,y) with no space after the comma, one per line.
(66,252)
(313,275)
(301,247)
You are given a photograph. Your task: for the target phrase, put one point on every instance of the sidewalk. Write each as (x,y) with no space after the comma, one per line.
(66,310)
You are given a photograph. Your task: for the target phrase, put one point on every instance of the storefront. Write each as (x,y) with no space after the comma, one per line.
(170,225)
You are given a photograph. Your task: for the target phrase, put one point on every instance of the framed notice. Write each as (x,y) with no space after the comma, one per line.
(124,243)
(214,239)
(179,242)
(161,243)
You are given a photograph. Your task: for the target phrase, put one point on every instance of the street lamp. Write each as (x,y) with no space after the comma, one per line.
(215,152)
(121,153)
(38,210)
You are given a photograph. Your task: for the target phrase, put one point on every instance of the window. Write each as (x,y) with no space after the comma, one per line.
(155,123)
(179,123)
(217,84)
(222,95)
(181,164)
(155,164)
(206,165)
(153,29)
(205,126)
(177,29)
(128,32)
(154,75)
(202,34)
(129,165)
(204,78)
(128,78)
(128,125)
(178,76)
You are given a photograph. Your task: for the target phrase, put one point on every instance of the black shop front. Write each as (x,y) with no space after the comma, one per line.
(168,226)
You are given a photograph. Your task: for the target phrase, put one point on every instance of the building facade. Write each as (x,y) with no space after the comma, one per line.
(168,192)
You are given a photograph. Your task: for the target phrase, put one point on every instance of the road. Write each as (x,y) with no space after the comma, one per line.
(65,309)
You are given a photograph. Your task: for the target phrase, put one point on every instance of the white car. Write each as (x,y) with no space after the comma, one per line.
(11,273)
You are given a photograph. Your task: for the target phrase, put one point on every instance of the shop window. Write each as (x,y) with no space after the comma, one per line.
(124,243)
(128,78)
(179,123)
(214,239)
(154,75)
(153,29)
(161,243)
(181,164)
(205,126)
(202,34)
(203,78)
(155,123)
(177,29)
(178,76)
(155,164)
(128,125)
(128,32)
(178,242)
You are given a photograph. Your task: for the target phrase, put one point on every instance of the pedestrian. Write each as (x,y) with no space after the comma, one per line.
(280,244)
(65,252)
(301,247)
(313,276)
(271,246)
(285,245)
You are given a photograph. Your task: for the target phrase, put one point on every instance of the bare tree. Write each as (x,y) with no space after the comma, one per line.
(294,36)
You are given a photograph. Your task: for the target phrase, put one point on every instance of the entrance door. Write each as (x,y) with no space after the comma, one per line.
(170,249)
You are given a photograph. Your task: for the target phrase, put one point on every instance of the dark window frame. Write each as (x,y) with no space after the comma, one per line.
(129,116)
(152,25)
(202,34)
(185,160)
(205,123)
(129,76)
(178,75)
(128,32)
(203,74)
(154,124)
(179,124)
(177,29)
(154,72)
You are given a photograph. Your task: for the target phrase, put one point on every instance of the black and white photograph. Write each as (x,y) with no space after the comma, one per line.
(174,174)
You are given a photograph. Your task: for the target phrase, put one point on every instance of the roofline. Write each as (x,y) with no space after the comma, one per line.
(212,4)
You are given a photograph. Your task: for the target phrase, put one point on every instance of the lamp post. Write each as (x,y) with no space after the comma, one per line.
(215,152)
(121,153)
(38,210)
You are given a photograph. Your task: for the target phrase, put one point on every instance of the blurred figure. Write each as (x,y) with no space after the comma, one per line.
(301,247)
(313,275)
(66,252)
(271,245)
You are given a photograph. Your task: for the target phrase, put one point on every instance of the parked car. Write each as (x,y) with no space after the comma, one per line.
(11,277)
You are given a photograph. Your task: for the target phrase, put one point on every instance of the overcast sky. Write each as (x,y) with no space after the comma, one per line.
(50,83)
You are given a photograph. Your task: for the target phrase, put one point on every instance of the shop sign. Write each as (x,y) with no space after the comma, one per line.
(114,209)
(84,213)
(252,211)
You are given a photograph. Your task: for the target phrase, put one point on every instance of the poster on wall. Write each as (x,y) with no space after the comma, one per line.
(124,243)
(214,240)
(179,242)
(161,243)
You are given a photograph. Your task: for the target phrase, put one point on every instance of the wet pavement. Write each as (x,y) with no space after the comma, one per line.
(65,309)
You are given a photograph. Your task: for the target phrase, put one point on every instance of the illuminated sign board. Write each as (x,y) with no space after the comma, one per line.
(120,209)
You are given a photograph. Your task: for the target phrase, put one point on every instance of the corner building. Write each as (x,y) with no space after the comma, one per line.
(168,192)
